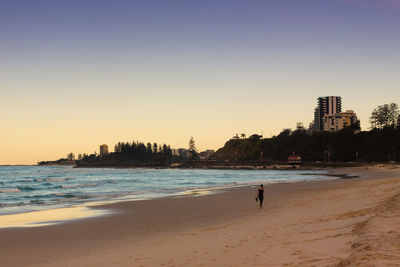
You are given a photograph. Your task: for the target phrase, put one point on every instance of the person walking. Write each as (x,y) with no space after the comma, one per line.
(260,195)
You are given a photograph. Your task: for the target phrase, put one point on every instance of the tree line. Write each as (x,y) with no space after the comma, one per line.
(140,154)
(138,149)
(131,153)
(380,144)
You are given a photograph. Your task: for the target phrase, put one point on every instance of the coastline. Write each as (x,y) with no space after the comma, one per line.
(57,214)
(228,165)
(314,222)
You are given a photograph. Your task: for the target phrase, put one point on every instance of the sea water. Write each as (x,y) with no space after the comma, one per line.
(31,188)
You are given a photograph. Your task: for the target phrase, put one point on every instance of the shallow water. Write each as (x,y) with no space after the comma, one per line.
(30,188)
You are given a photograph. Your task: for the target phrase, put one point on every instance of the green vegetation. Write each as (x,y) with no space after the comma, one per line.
(377,145)
(69,160)
(386,115)
(381,144)
(192,152)
(131,154)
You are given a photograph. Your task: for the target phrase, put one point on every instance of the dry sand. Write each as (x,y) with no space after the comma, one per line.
(344,222)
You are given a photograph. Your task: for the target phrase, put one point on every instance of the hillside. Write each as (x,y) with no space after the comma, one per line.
(378,145)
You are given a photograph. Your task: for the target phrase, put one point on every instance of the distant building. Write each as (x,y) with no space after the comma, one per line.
(205,155)
(235,137)
(294,160)
(103,150)
(184,153)
(338,121)
(175,152)
(316,121)
(327,105)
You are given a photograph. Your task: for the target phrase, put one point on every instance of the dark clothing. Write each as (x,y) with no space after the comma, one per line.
(260,193)
(261,196)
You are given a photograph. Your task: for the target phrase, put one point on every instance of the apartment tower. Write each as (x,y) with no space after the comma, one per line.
(327,105)
(103,150)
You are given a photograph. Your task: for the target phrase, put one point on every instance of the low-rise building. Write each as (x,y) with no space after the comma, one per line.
(184,153)
(205,155)
(175,152)
(294,159)
(338,121)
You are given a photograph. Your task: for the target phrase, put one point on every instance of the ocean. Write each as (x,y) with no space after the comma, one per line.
(32,188)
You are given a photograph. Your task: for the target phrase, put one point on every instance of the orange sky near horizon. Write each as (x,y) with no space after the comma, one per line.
(74,75)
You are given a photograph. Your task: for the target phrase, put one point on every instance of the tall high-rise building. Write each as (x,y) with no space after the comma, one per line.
(103,150)
(327,105)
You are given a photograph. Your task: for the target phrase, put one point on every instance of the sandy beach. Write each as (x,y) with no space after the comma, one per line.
(341,222)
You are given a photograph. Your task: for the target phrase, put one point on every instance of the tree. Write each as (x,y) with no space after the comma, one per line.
(285,132)
(192,149)
(169,150)
(149,150)
(140,150)
(118,147)
(155,148)
(71,156)
(166,149)
(300,127)
(398,121)
(255,137)
(243,135)
(384,116)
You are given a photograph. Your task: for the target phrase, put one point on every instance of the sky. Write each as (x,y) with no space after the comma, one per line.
(75,74)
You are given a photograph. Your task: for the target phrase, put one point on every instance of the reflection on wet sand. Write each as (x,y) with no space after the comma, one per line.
(48,217)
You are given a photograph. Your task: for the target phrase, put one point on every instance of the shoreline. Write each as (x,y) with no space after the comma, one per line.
(304,223)
(229,165)
(54,215)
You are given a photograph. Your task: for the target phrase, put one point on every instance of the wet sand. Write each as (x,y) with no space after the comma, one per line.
(321,223)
